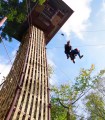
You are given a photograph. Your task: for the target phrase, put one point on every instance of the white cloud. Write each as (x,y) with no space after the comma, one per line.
(50,60)
(101,12)
(4,70)
(79,19)
(5,65)
(103,6)
(51,56)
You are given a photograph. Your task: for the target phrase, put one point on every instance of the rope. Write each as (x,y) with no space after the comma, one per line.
(2,83)
(30,12)
(6,64)
(9,59)
(27,13)
(29,32)
(6,52)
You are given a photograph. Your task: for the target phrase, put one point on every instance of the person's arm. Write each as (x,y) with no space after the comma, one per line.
(70,47)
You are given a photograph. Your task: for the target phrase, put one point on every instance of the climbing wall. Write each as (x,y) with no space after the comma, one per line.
(25,93)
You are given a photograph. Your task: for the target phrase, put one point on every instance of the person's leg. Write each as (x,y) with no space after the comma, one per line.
(81,56)
(76,51)
(73,61)
(72,56)
(67,56)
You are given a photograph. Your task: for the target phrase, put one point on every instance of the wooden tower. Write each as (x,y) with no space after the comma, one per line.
(25,93)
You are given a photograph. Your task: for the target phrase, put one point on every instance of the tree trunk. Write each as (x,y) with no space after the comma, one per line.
(68,115)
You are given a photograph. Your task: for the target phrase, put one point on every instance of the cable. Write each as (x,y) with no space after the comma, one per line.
(64,73)
(94,30)
(91,31)
(77,46)
(91,45)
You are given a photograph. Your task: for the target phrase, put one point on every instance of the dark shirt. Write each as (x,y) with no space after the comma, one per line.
(67,49)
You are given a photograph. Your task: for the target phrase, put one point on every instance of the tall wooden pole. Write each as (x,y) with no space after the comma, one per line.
(26,90)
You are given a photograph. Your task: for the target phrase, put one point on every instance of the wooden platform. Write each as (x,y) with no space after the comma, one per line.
(48,17)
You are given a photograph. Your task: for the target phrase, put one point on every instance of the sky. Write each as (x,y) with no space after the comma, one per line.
(85,29)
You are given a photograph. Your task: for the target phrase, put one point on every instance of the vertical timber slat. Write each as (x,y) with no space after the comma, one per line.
(31,101)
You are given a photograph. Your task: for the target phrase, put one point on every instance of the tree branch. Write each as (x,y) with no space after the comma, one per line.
(62,104)
(80,96)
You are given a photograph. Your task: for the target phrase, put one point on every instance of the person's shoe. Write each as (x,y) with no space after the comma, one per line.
(73,61)
(67,57)
(81,56)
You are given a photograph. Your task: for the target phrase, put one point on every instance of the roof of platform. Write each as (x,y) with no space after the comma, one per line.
(48,17)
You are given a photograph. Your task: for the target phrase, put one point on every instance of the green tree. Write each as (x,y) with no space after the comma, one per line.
(40,1)
(65,97)
(95,106)
(16,13)
(58,112)
(50,70)
(16,10)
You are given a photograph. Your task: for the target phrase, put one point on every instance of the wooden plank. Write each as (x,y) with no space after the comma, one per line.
(39,75)
(22,91)
(35,75)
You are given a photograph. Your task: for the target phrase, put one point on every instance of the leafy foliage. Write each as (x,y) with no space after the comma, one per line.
(50,70)
(95,106)
(57,111)
(65,97)
(40,1)
(84,80)
(16,12)
(95,101)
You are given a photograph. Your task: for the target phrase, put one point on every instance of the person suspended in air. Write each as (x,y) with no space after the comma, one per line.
(68,49)
(70,53)
(74,53)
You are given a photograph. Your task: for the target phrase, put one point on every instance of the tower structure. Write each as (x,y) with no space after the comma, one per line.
(25,93)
